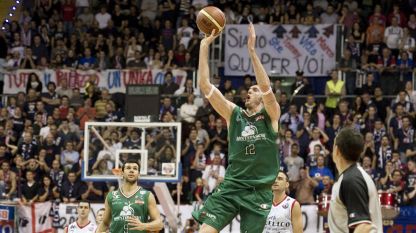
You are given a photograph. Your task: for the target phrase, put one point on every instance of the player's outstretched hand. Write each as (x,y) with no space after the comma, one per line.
(251,37)
(135,224)
(209,38)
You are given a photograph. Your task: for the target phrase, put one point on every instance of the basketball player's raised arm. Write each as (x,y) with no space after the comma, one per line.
(297,218)
(102,228)
(214,96)
(269,100)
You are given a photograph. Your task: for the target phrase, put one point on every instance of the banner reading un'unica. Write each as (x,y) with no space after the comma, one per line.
(113,80)
(282,49)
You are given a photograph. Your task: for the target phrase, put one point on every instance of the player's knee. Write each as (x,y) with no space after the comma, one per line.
(207,229)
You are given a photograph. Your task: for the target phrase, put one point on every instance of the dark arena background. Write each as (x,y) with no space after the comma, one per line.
(87,84)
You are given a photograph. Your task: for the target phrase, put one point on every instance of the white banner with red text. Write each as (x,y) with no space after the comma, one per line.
(282,49)
(113,80)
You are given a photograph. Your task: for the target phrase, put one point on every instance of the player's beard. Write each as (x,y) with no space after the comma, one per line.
(131,182)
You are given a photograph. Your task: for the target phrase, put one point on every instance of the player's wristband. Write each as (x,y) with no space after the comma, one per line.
(210,92)
(267,92)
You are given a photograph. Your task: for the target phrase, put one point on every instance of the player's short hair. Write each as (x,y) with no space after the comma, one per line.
(84,201)
(102,209)
(350,143)
(284,173)
(130,161)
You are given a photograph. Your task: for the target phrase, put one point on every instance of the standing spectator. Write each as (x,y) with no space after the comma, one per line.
(292,119)
(86,113)
(28,61)
(329,16)
(404,137)
(410,191)
(319,172)
(29,189)
(382,104)
(213,174)
(375,33)
(184,33)
(95,191)
(169,87)
(72,189)
(396,121)
(28,148)
(393,35)
(68,15)
(64,89)
(397,14)
(8,184)
(386,64)
(103,17)
(51,98)
(87,61)
(304,188)
(334,89)
(383,153)
(348,65)
(293,164)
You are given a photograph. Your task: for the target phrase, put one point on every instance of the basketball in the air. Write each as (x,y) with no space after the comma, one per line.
(210,18)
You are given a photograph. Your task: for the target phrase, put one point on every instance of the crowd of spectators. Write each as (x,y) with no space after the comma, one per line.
(41,140)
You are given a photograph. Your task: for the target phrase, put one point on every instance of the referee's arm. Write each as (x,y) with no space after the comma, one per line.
(354,195)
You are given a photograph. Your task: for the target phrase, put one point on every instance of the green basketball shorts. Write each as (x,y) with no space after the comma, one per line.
(226,203)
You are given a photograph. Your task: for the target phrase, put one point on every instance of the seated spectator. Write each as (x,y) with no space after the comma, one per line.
(404,136)
(8,186)
(86,113)
(95,191)
(318,137)
(29,189)
(367,165)
(218,135)
(167,107)
(48,191)
(34,83)
(51,98)
(188,110)
(198,163)
(72,189)
(330,16)
(136,62)
(69,156)
(187,88)
(132,139)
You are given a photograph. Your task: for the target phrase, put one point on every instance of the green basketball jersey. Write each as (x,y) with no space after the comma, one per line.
(252,151)
(122,207)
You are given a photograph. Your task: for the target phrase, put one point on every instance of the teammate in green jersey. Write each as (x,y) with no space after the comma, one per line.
(130,209)
(253,152)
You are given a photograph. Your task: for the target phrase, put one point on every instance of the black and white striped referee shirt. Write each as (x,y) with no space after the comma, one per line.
(354,201)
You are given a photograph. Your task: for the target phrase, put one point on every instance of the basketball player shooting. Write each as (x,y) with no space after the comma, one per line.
(285,215)
(253,152)
(355,205)
(130,209)
(83,224)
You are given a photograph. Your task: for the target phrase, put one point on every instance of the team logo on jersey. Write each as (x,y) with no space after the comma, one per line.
(126,212)
(285,206)
(249,130)
(250,133)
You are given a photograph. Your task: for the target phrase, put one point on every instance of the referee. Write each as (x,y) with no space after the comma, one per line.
(355,206)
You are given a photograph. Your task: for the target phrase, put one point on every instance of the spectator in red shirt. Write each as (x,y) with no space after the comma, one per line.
(68,15)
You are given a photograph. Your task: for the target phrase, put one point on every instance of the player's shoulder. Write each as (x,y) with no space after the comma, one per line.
(354,177)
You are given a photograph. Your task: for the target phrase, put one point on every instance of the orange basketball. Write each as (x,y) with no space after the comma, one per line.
(210,18)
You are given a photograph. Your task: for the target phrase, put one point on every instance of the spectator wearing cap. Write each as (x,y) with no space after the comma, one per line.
(299,86)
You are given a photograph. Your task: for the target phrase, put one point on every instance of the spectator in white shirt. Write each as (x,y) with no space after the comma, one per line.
(103,17)
(185,33)
(393,35)
(188,109)
(213,174)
